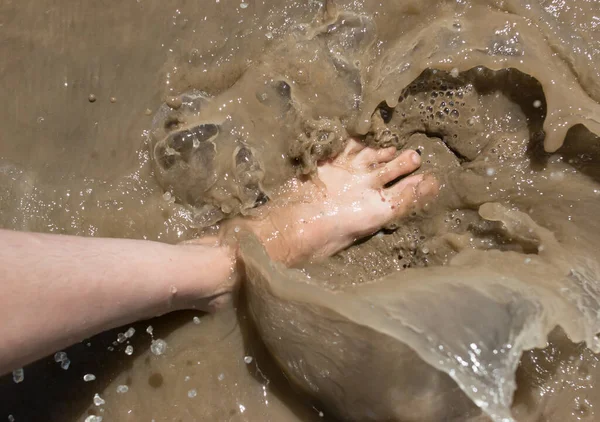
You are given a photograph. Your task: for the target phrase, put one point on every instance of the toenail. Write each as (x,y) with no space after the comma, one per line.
(415,157)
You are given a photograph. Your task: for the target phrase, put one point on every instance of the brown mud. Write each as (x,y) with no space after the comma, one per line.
(485,305)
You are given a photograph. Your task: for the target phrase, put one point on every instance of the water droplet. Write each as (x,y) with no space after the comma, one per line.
(65,364)
(60,357)
(454,72)
(150,330)
(221,377)
(89,377)
(98,401)
(196,320)
(192,393)
(243,5)
(129,350)
(130,332)
(248,359)
(537,103)
(158,347)
(122,389)
(18,375)
(93,418)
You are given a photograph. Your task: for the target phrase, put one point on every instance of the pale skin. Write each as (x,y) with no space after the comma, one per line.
(59,290)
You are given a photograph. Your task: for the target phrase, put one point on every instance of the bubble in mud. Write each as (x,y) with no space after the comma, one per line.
(192,393)
(158,347)
(196,320)
(174,102)
(89,377)
(121,389)
(98,401)
(490,171)
(150,329)
(129,350)
(537,103)
(93,418)
(18,375)
(248,359)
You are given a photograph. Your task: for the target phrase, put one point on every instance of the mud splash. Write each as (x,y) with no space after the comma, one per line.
(476,91)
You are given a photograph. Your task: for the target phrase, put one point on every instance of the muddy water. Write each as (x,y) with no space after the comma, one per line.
(503,107)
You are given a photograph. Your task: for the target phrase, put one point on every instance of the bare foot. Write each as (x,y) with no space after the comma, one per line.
(349,199)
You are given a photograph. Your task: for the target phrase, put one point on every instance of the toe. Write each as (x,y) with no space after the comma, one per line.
(410,192)
(352,148)
(369,156)
(405,163)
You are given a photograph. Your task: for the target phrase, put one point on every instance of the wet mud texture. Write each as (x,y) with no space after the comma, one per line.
(483,306)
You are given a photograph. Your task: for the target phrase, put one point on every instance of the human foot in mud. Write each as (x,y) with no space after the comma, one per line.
(350,197)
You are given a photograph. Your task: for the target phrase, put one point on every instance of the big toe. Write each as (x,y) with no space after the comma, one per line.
(411,192)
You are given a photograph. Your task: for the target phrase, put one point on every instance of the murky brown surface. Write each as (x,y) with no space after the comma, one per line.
(504,117)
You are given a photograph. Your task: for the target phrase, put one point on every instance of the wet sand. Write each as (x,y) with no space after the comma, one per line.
(83,165)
